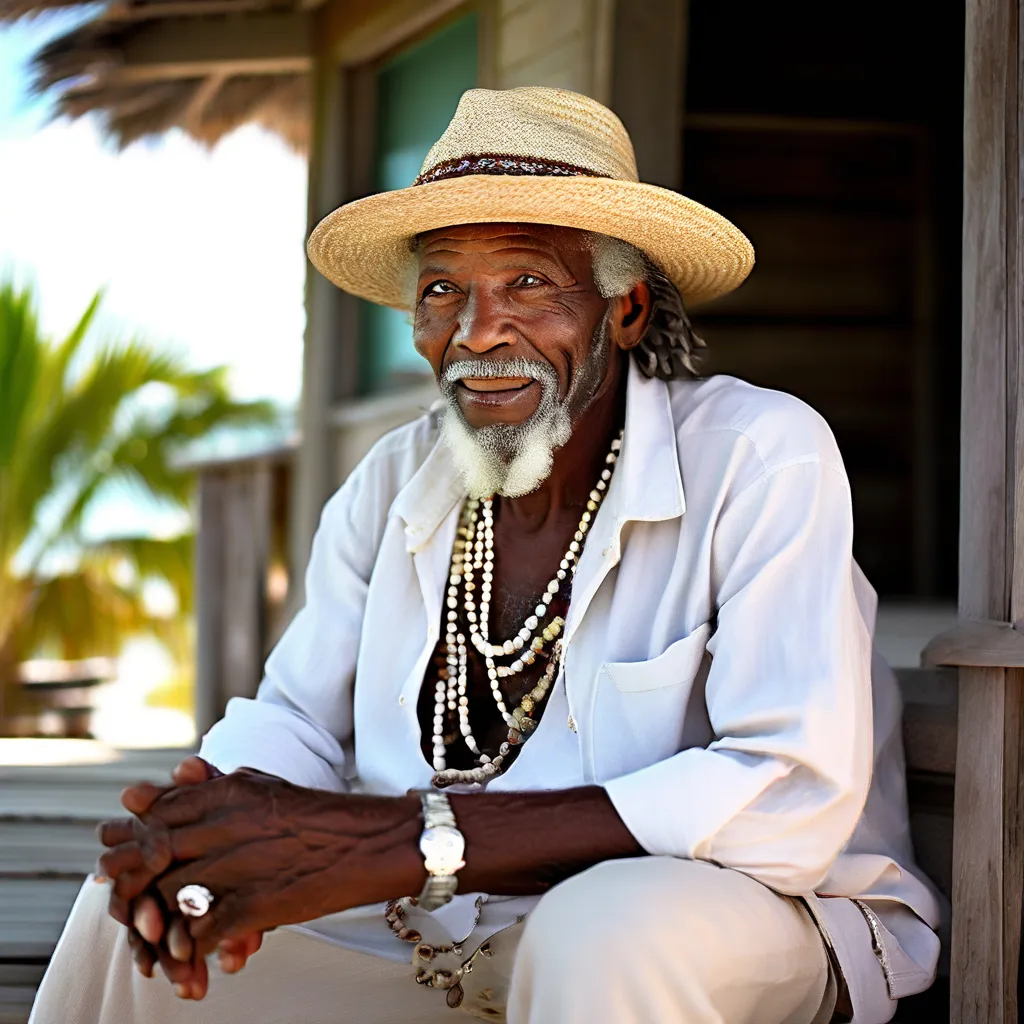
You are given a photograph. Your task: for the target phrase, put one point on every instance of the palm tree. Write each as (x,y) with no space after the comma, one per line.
(74,422)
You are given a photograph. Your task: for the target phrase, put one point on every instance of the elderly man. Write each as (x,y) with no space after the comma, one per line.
(581,720)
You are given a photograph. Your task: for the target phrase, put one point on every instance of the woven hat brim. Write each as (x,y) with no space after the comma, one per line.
(364,246)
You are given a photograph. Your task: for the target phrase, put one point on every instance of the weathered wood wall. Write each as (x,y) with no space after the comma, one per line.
(989,846)
(567,45)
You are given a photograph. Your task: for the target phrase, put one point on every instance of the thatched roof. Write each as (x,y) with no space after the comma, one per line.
(207,66)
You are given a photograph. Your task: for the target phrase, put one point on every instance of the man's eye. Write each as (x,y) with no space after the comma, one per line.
(528,281)
(439,288)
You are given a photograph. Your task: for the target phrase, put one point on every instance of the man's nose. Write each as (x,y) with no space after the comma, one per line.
(482,324)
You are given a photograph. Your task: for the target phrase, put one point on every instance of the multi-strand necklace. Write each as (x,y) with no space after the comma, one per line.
(472,578)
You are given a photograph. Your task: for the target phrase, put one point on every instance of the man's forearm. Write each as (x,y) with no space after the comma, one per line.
(524,843)
(517,844)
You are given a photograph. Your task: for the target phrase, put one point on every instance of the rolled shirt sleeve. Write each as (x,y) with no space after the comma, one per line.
(780,789)
(300,722)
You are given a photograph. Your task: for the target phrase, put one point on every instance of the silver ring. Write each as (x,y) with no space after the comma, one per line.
(194,900)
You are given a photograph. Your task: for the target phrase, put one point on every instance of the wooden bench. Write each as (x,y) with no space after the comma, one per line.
(57,698)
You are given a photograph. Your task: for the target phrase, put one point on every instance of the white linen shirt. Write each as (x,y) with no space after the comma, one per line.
(718,677)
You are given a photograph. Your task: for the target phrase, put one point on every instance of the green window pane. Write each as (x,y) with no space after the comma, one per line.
(417,92)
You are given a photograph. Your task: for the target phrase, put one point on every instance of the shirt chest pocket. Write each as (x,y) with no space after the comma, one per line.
(645,711)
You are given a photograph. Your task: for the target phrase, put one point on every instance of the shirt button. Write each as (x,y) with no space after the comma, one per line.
(572,723)
(401,700)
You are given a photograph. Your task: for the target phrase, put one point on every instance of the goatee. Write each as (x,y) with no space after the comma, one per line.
(514,459)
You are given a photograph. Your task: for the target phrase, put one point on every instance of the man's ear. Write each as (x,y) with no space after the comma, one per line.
(629,315)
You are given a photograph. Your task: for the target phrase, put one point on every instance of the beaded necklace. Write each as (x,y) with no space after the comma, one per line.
(472,568)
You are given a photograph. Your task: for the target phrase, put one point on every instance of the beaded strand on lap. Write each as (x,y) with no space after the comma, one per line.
(472,567)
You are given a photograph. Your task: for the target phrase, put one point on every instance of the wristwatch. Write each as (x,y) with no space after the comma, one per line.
(442,846)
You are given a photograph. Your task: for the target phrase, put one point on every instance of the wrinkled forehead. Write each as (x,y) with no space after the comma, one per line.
(569,244)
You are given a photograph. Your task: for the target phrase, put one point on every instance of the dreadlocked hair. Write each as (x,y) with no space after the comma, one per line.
(669,349)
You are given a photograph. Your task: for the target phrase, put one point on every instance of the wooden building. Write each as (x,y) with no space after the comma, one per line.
(874,155)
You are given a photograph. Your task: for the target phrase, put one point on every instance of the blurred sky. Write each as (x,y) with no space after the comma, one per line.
(200,249)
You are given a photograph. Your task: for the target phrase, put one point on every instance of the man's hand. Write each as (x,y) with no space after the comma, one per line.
(271,852)
(276,854)
(158,937)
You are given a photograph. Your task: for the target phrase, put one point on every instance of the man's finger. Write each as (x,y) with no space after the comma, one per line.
(200,976)
(148,920)
(139,798)
(143,953)
(119,909)
(226,919)
(179,942)
(194,770)
(132,884)
(251,943)
(179,974)
(119,859)
(115,832)
(186,805)
(233,954)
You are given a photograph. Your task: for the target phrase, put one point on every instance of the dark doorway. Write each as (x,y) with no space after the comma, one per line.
(835,142)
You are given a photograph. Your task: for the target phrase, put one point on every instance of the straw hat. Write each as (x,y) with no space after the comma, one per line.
(530,155)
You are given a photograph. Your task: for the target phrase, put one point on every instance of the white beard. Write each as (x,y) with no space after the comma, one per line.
(480,455)
(514,459)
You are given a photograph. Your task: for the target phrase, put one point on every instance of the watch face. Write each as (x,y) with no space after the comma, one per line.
(442,848)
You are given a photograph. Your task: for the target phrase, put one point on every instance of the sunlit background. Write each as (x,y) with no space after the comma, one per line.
(198,250)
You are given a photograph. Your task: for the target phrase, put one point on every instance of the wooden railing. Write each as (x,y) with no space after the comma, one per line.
(243,573)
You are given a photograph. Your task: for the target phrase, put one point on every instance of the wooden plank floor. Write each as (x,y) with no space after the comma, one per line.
(48,817)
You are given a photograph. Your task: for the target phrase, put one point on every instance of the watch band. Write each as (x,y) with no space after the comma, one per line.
(441,881)
(438,890)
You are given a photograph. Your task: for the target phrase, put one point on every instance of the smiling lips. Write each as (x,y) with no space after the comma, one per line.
(496,383)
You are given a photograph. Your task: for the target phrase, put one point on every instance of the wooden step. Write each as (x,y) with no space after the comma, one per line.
(15,1003)
(18,985)
(32,915)
(76,792)
(33,848)
(28,801)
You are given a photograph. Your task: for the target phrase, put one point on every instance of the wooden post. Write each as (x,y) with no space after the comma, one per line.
(988,852)
(209,590)
(648,84)
(246,557)
(236,525)
(324,305)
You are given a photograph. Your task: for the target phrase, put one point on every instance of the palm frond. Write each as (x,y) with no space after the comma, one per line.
(73,424)
(169,560)
(57,366)
(21,360)
(83,614)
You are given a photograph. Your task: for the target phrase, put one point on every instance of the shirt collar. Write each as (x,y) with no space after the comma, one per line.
(647,485)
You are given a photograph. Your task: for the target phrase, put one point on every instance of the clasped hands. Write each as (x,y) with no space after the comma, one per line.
(271,852)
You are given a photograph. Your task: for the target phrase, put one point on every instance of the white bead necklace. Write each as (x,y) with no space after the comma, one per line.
(473,559)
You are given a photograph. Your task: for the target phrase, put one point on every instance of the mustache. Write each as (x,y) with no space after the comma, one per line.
(532,368)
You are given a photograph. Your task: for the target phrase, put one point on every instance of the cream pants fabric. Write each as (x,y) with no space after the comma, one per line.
(628,942)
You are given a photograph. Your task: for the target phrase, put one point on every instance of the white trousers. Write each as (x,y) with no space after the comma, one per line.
(638,941)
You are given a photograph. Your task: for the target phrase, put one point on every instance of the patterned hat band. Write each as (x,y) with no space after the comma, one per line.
(502,163)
